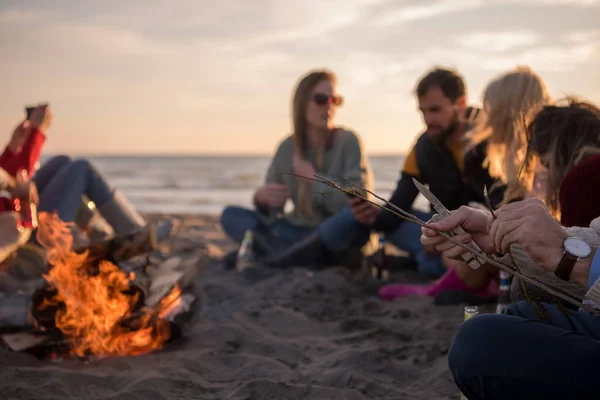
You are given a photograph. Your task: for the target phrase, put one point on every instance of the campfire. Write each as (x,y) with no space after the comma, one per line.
(91,306)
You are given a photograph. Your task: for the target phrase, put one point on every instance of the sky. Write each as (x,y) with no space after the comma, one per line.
(198,76)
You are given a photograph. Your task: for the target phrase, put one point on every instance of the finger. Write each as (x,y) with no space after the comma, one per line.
(455,253)
(446,244)
(363,207)
(432,241)
(428,232)
(519,204)
(454,220)
(505,229)
(508,240)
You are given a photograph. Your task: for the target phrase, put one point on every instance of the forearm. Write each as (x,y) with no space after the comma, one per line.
(403,197)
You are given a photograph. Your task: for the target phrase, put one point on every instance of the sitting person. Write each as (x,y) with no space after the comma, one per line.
(566,140)
(307,234)
(517,355)
(437,159)
(61,182)
(511,101)
(11,238)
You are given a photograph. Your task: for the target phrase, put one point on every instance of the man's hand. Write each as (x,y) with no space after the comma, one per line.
(19,136)
(303,167)
(472,220)
(530,224)
(272,194)
(363,211)
(41,117)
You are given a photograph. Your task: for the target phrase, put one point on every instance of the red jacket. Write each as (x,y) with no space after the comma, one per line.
(25,159)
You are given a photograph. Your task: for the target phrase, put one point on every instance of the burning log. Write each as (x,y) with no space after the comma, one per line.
(92,305)
(121,248)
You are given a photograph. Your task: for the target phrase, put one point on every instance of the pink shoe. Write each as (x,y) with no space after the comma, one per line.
(449,281)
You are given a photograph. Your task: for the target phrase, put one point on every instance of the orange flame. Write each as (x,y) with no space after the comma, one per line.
(97,304)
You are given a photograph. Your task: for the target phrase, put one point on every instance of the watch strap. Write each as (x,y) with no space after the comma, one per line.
(565,266)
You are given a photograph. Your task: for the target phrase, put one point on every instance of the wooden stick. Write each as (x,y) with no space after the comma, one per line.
(480,254)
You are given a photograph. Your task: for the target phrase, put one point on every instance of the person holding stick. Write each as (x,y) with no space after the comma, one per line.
(518,354)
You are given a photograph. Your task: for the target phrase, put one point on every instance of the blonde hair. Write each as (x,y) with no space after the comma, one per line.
(302,96)
(511,102)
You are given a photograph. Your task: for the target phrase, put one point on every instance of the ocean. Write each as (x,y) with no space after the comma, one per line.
(206,184)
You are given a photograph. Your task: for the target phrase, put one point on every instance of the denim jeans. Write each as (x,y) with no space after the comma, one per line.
(408,238)
(62,182)
(515,355)
(337,233)
(341,230)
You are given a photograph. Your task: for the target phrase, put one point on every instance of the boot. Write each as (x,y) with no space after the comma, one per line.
(307,251)
(124,218)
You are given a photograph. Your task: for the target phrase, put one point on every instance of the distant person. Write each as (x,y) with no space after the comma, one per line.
(307,234)
(438,159)
(566,138)
(510,103)
(62,182)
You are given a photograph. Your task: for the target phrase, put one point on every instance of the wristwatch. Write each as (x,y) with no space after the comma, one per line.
(575,248)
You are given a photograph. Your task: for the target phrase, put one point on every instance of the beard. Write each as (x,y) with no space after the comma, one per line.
(448,131)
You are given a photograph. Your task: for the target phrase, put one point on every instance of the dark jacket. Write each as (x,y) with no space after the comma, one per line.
(438,169)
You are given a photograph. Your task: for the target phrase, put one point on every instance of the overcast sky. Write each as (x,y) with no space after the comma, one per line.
(197,76)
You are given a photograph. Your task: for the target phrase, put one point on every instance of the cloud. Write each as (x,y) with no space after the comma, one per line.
(404,14)
(583,36)
(498,41)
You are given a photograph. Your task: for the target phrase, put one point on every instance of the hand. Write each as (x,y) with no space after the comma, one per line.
(530,224)
(19,136)
(24,189)
(363,211)
(41,117)
(303,167)
(472,220)
(272,194)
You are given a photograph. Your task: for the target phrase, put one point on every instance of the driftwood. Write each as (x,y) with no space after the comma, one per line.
(124,247)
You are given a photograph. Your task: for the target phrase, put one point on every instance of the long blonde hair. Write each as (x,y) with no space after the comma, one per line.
(302,96)
(511,102)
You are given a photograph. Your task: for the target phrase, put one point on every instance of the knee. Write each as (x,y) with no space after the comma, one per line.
(473,347)
(61,159)
(231,214)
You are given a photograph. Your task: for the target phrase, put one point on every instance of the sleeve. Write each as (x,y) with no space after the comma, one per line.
(4,179)
(403,197)
(28,156)
(273,176)
(594,270)
(354,169)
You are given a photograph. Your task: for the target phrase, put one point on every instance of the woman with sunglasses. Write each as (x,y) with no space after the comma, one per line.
(316,147)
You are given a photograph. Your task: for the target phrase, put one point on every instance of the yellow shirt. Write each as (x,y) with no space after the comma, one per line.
(411,167)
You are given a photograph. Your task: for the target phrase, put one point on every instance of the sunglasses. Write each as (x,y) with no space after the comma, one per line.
(322,99)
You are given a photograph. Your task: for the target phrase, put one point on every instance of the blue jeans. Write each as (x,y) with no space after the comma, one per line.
(62,182)
(516,356)
(408,238)
(335,232)
(341,230)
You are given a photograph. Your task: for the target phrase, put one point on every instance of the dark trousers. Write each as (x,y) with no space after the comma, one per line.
(515,355)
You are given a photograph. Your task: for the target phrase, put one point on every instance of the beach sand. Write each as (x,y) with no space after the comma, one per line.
(291,334)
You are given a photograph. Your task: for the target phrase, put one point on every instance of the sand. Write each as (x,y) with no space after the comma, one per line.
(266,334)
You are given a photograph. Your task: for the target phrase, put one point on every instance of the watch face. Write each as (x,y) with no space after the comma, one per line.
(577,247)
